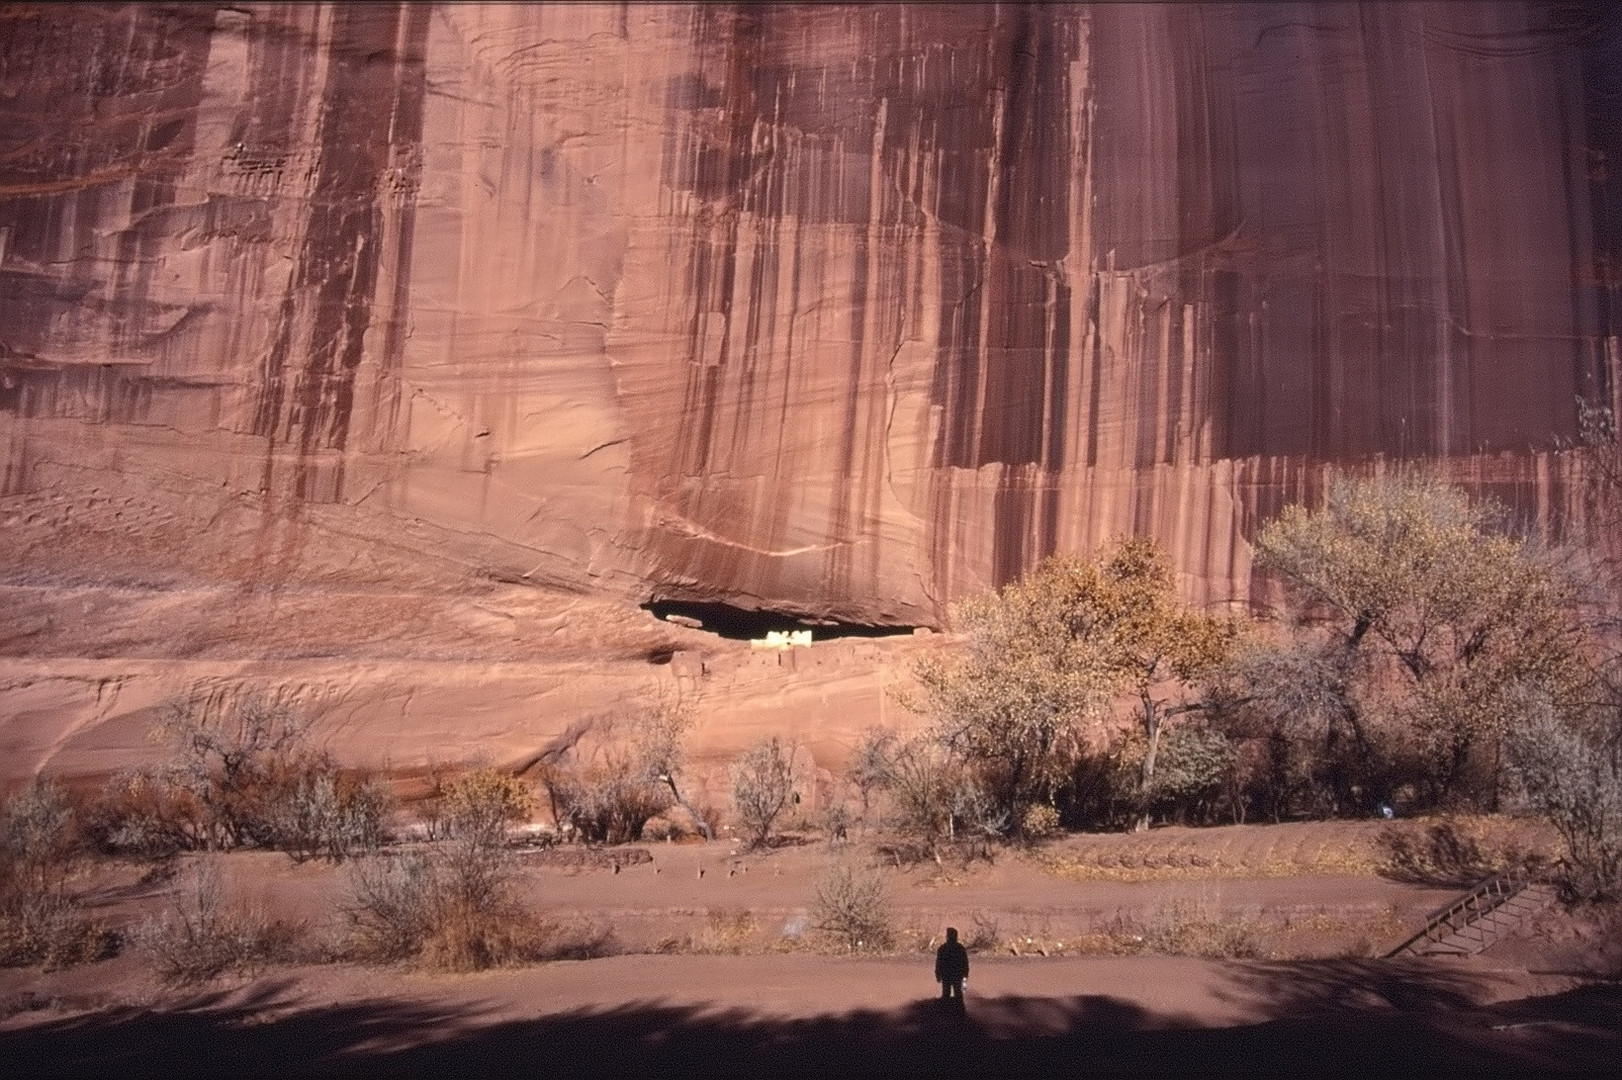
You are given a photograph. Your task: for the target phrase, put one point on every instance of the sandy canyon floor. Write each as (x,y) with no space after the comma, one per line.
(716,971)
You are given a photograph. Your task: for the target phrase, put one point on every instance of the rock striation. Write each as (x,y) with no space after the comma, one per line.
(852,309)
(846,311)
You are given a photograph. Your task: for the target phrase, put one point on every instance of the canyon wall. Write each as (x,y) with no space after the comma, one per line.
(849,309)
(318,320)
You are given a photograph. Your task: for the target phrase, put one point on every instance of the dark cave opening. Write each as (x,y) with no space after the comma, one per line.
(744,624)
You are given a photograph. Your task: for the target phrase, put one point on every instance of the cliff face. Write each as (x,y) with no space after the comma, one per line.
(848,311)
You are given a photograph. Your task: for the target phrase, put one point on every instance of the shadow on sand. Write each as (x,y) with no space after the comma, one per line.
(1340,1019)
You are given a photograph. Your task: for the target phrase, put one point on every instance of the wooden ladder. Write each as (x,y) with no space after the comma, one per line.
(1489,911)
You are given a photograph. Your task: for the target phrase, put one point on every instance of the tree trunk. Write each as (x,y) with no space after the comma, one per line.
(1151,729)
(703,826)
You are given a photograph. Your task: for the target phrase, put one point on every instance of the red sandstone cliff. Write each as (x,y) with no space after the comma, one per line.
(841,310)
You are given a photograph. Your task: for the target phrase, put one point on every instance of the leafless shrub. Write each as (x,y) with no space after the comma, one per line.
(1573,779)
(199,938)
(938,807)
(237,764)
(50,930)
(762,784)
(244,776)
(660,725)
(607,801)
(395,898)
(39,842)
(614,775)
(836,823)
(851,907)
(978,819)
(326,815)
(922,778)
(453,910)
(1184,928)
(147,814)
(454,907)
(987,931)
(441,913)
(870,764)
(40,920)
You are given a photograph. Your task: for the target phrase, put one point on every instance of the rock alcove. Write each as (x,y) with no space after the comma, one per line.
(746,624)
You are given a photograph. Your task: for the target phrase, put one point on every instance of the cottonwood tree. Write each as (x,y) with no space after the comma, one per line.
(1010,705)
(1433,622)
(1047,654)
(1282,701)
(1155,647)
(1568,762)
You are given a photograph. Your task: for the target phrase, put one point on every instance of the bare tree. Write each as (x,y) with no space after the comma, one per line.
(609,777)
(665,723)
(762,784)
(871,763)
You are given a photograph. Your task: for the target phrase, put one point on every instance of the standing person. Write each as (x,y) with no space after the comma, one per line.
(952,967)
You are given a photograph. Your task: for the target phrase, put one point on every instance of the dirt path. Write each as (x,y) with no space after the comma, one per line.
(780,1008)
(797,1015)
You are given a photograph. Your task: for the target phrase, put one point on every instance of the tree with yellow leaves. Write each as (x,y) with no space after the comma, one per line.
(1051,652)
(1438,621)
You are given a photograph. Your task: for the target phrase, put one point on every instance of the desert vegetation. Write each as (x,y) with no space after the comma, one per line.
(42,921)
(1021,737)
(762,785)
(615,774)
(851,907)
(453,905)
(240,774)
(1423,663)
(200,936)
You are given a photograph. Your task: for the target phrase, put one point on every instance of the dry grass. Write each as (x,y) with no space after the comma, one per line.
(1184,931)
(1177,928)
(1345,848)
(1195,928)
(726,932)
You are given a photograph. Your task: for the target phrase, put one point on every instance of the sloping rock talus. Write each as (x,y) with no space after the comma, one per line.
(408,334)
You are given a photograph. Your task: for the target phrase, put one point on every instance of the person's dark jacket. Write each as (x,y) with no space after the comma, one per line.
(951,962)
